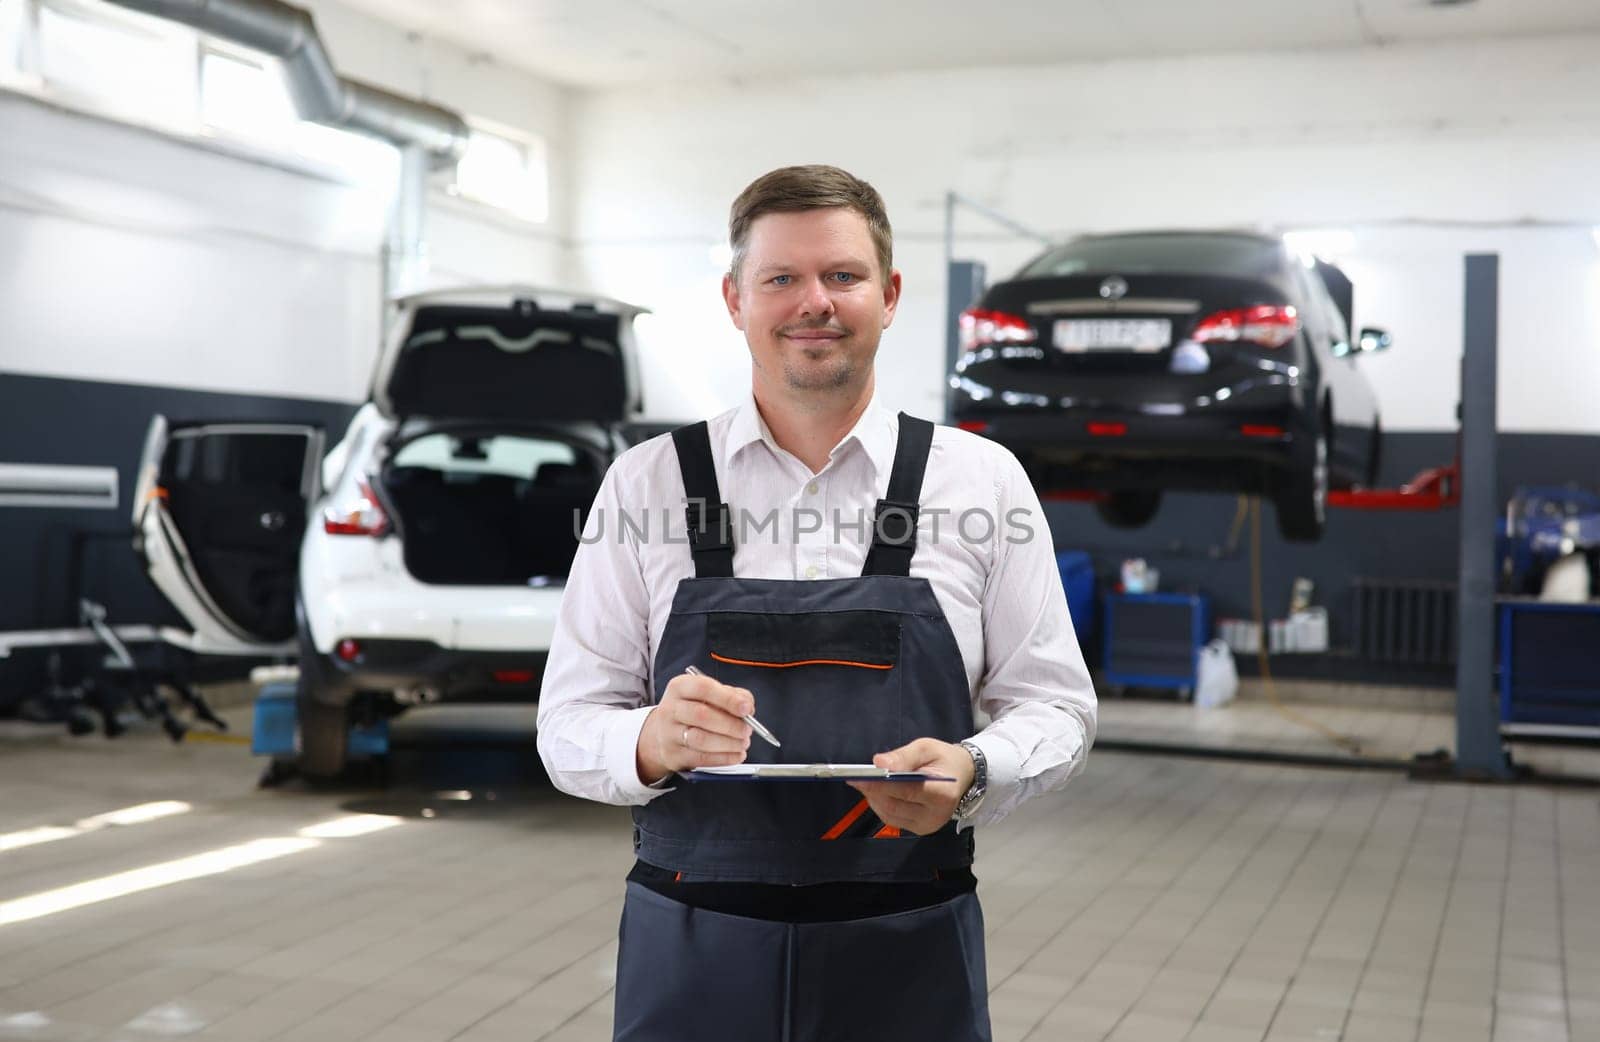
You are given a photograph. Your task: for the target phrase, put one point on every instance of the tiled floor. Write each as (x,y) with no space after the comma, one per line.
(1155,899)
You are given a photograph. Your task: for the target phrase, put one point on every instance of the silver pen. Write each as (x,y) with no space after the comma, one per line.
(755,725)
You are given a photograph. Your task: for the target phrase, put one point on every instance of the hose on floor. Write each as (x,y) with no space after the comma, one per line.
(1343,741)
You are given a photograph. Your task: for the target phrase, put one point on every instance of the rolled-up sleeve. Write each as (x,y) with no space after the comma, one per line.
(1035,687)
(594,696)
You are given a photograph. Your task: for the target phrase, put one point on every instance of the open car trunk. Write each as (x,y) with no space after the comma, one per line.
(487,506)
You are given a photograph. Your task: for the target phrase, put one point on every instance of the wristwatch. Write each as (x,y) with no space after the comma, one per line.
(980,783)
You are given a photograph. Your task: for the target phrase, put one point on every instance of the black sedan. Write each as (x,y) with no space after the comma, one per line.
(1133,364)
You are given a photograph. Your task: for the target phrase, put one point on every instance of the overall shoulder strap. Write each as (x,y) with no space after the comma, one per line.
(710,520)
(894,521)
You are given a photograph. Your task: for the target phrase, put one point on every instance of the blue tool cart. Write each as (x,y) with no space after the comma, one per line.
(1550,663)
(1154,639)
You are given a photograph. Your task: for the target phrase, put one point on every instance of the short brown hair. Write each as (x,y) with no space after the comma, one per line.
(793,189)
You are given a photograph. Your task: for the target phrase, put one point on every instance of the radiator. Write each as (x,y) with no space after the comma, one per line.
(1405,620)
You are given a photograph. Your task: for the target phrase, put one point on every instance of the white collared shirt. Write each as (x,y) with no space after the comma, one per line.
(991,563)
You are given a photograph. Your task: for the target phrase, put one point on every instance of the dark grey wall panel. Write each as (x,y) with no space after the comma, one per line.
(46,420)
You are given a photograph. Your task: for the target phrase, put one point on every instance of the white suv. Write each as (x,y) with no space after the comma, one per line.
(423,558)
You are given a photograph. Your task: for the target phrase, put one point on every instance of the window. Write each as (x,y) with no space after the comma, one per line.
(505,170)
(13,34)
(245,95)
(508,455)
(1240,256)
(130,64)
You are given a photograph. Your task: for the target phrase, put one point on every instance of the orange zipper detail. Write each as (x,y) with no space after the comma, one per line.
(802,662)
(887,832)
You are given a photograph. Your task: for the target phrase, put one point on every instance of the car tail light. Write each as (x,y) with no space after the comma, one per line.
(975,426)
(348,650)
(980,326)
(1266,325)
(1100,429)
(359,514)
(513,676)
(1261,430)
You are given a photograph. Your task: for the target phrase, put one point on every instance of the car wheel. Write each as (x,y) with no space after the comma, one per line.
(1303,500)
(1130,508)
(324,733)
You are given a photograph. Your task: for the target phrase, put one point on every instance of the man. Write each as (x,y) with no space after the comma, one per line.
(861,583)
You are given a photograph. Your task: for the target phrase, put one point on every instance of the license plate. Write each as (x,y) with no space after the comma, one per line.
(1113,334)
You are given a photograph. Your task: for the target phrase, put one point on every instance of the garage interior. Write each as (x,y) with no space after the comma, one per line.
(1345,787)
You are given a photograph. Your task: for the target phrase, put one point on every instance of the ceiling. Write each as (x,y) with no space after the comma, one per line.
(600,43)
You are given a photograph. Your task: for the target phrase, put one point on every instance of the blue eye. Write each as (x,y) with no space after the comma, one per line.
(844,277)
(781,280)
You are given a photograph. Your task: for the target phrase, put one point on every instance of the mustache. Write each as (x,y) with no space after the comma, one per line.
(814,327)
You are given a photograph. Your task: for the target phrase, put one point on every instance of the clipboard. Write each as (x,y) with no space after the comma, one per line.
(749,772)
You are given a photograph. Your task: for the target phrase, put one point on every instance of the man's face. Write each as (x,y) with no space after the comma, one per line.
(811,300)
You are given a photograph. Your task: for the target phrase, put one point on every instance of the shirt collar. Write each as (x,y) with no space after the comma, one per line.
(876,431)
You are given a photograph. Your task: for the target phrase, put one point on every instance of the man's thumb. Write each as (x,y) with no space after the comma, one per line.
(891,760)
(905,758)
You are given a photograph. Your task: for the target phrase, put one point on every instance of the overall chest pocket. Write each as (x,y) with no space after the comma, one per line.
(828,683)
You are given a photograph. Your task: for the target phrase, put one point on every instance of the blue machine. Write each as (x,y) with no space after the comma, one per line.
(1542,524)
(1154,639)
(1077,578)
(277,725)
(1549,665)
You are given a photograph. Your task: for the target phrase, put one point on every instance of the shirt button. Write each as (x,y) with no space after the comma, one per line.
(812,488)
(811,571)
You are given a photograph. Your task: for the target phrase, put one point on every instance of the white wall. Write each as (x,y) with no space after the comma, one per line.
(1375,140)
(130,255)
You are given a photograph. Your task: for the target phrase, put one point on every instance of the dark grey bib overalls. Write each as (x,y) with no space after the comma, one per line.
(842,669)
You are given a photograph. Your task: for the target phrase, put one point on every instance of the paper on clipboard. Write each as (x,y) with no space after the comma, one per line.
(808,772)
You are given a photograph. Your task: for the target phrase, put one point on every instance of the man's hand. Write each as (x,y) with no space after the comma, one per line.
(920,807)
(697,724)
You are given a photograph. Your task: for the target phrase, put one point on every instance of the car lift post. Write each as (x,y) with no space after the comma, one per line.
(1479,749)
(964,279)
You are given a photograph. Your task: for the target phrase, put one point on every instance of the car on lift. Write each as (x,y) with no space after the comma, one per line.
(423,558)
(1132,364)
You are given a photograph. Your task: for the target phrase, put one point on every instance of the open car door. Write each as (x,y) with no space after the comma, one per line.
(218,514)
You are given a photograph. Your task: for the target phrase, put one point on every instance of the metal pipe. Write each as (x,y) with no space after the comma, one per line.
(319,93)
(405,259)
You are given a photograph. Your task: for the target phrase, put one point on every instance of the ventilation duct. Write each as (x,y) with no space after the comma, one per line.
(320,94)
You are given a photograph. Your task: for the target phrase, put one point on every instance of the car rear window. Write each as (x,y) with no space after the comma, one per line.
(508,455)
(1237,256)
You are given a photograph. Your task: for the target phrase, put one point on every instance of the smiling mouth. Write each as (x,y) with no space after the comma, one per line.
(813,336)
